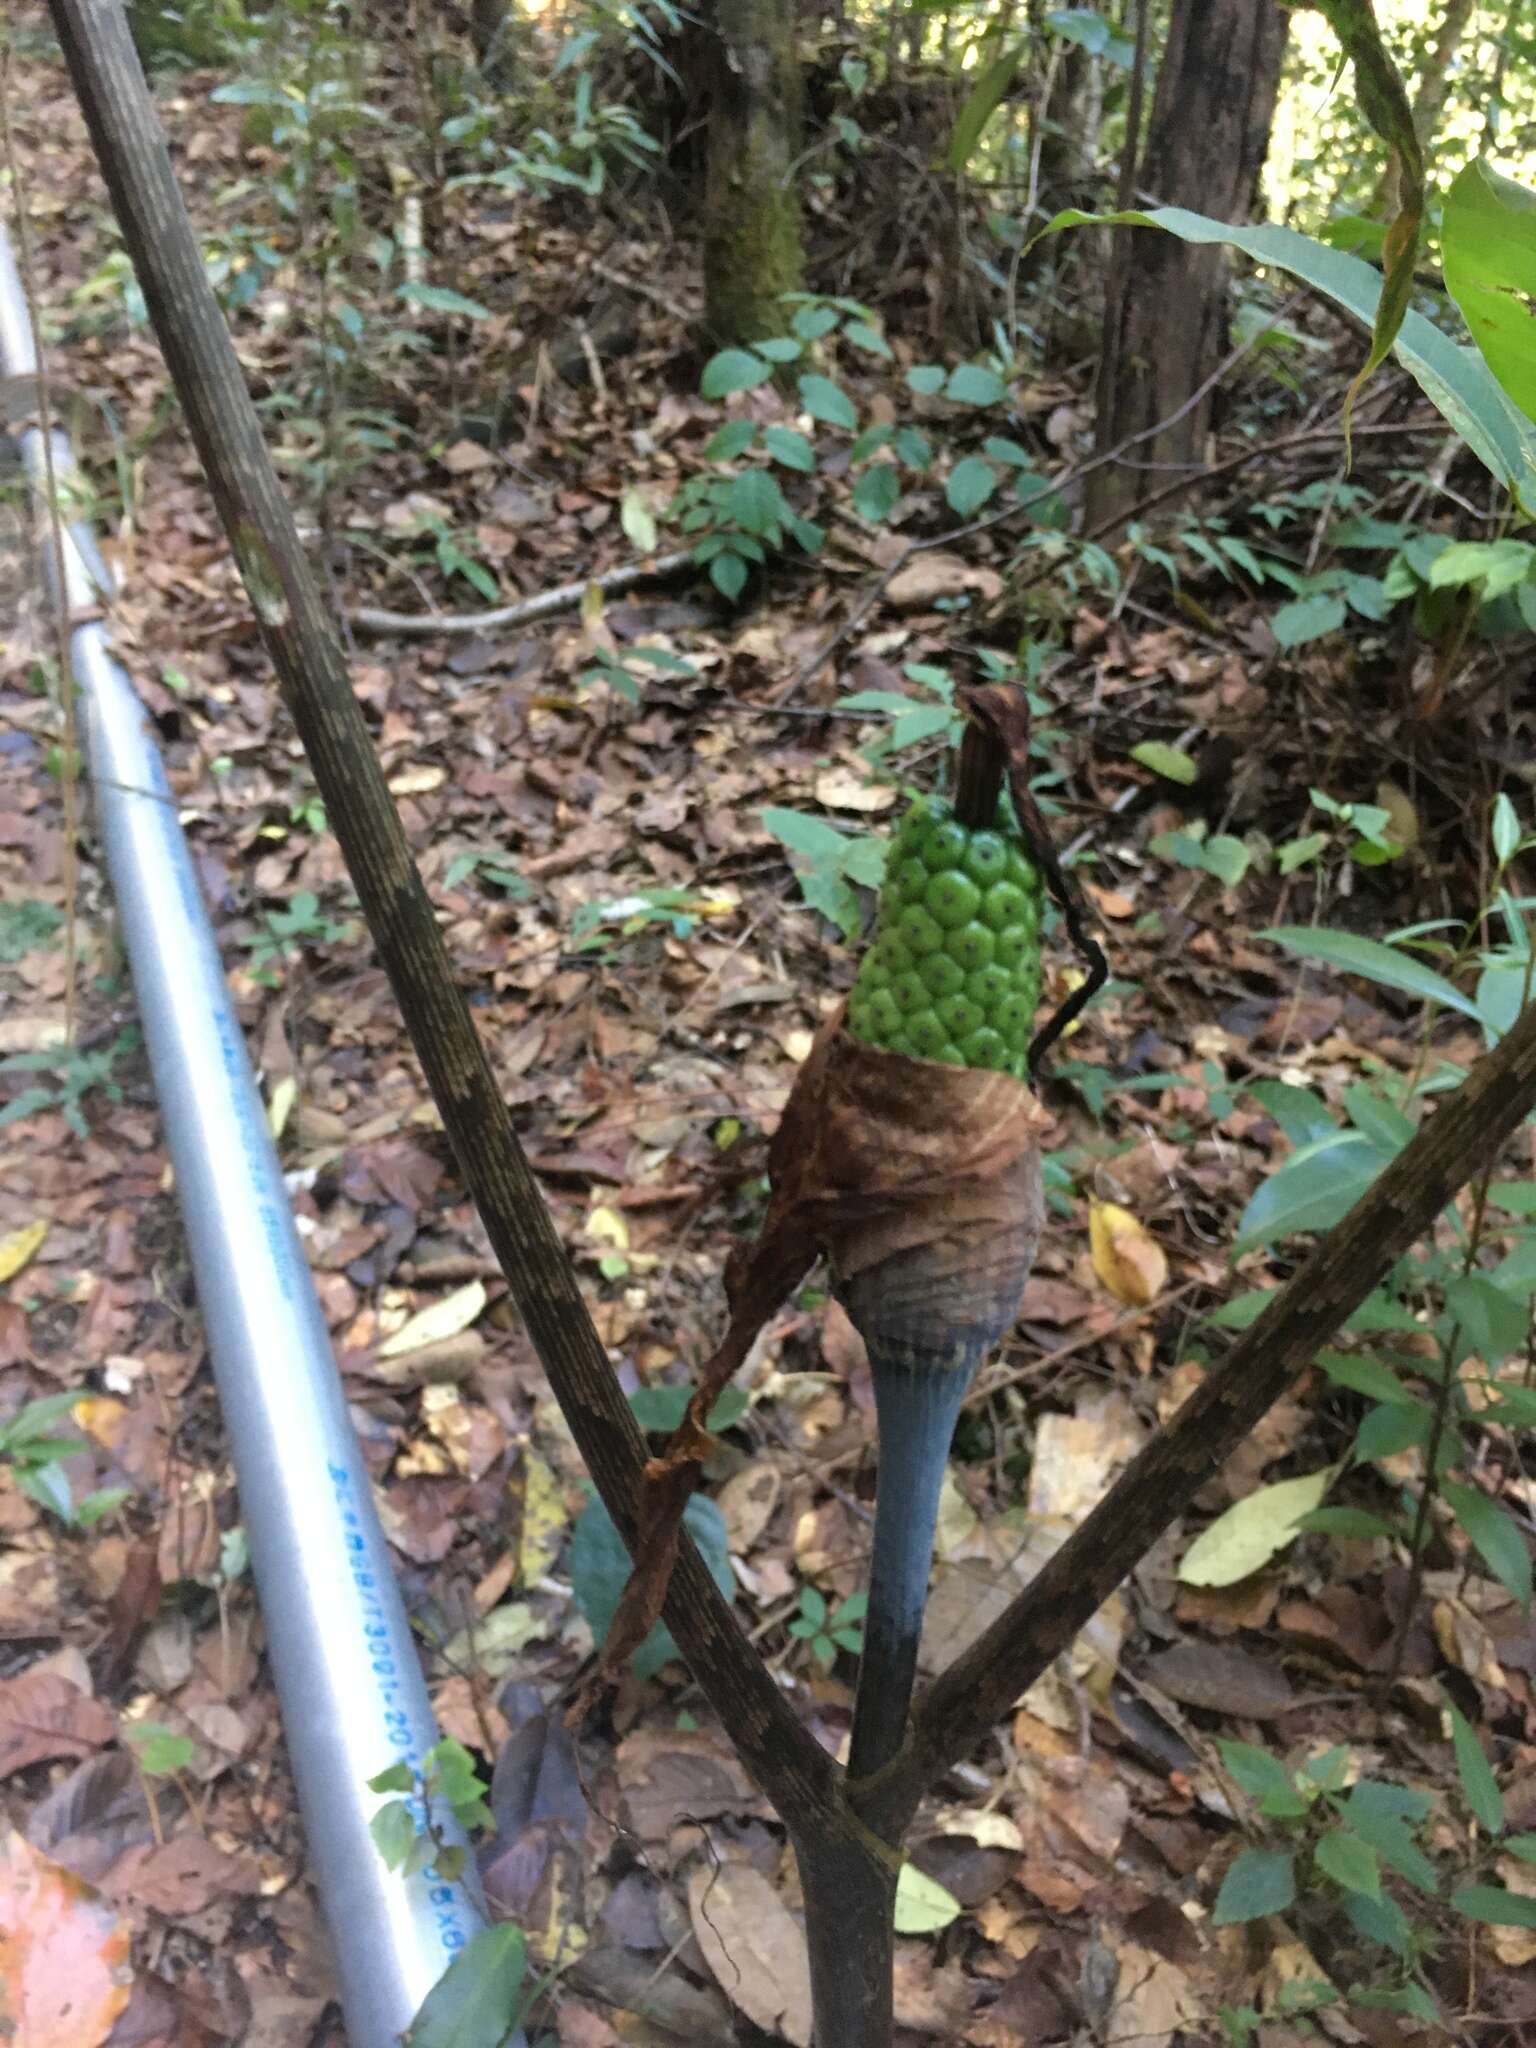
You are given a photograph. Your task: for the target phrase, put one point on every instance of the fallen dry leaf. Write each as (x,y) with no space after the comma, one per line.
(1128,1262)
(754,1947)
(64,1970)
(42,1715)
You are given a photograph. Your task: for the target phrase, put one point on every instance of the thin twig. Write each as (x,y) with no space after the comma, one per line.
(567,597)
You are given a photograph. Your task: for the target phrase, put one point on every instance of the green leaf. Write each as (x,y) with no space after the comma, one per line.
(1351,1863)
(819,841)
(1391,1428)
(1492,1321)
(1172,763)
(876,490)
(437,298)
(969,485)
(780,349)
(926,379)
(1384,1816)
(1478,1783)
(599,1566)
(868,338)
(660,1409)
(1308,618)
(1380,1919)
(1385,965)
(753,499)
(1265,1779)
(1505,831)
(1226,858)
(790,448)
(1455,379)
(477,2002)
(394,1831)
(1494,1906)
(827,402)
(1383,100)
(1366,1376)
(731,440)
(728,573)
(1345,1524)
(1302,1115)
(923,1906)
(974,384)
(1260,1881)
(982,102)
(732,370)
(1252,1530)
(1495,1535)
(1312,1190)
(1523,1846)
(398,1778)
(1488,246)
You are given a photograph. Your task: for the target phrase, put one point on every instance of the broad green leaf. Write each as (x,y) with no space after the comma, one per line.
(1226,858)
(1488,244)
(1494,1906)
(1495,1535)
(923,1906)
(1493,1322)
(728,573)
(477,2001)
(437,298)
(1302,1115)
(974,384)
(982,102)
(1385,1816)
(661,1409)
(600,1569)
(1387,965)
(1391,1428)
(1345,1524)
(1478,1783)
(1312,1190)
(782,348)
(1366,1376)
(827,402)
(753,499)
(731,440)
(814,837)
(1308,618)
(1380,1919)
(1172,763)
(1351,1863)
(1265,1779)
(1260,1881)
(393,1829)
(733,369)
(1380,1121)
(1252,1530)
(1501,992)
(790,448)
(1455,379)
(969,485)
(876,490)
(1523,1846)
(926,379)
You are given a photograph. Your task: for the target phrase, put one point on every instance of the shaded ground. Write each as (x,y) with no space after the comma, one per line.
(646,1054)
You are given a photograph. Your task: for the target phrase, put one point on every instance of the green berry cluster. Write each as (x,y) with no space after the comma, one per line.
(954,971)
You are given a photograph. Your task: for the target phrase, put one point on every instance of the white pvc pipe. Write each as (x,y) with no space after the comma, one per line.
(347,1673)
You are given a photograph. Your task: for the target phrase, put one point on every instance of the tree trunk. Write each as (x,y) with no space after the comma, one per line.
(752,252)
(1165,316)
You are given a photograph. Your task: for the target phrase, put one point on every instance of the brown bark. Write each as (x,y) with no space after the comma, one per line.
(752,250)
(1165,325)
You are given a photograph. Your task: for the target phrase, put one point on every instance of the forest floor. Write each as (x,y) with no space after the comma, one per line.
(646,1053)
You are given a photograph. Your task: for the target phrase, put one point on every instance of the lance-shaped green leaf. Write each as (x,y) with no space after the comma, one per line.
(1383,100)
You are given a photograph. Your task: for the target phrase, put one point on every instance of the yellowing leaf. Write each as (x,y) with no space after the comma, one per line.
(1128,1262)
(544,1520)
(1250,1533)
(445,1318)
(1399,807)
(922,1905)
(638,520)
(609,1227)
(280,1105)
(18,1246)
